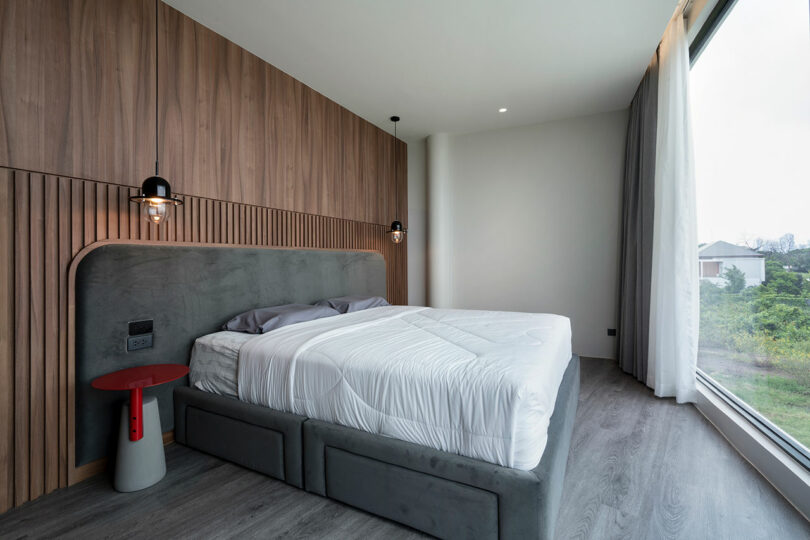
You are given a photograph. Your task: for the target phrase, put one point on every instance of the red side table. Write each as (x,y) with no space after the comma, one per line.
(141,461)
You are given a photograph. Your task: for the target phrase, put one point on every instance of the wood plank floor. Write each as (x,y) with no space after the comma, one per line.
(639,467)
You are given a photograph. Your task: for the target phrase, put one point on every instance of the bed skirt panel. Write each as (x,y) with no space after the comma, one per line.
(262,439)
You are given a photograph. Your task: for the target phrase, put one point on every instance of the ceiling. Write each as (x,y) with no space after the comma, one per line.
(449,65)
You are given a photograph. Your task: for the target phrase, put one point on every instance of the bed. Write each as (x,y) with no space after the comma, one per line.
(432,479)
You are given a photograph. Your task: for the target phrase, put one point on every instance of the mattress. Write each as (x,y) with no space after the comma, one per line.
(476,383)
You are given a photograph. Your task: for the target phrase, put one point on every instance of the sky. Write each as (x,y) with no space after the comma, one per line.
(750,111)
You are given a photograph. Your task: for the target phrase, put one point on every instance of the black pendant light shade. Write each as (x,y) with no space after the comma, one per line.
(397,231)
(155,197)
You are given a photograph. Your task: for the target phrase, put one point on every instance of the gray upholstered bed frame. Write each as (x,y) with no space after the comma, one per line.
(190,290)
(446,495)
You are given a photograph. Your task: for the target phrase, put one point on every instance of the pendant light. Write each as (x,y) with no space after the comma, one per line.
(397,231)
(155,197)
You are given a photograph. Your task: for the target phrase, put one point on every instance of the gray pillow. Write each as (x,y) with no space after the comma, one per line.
(349,304)
(262,320)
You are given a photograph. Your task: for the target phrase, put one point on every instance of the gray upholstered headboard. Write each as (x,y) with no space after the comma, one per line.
(188,291)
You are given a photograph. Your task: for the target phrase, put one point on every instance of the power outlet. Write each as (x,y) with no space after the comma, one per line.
(135,343)
(611,331)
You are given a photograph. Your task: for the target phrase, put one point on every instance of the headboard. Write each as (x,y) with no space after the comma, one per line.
(188,291)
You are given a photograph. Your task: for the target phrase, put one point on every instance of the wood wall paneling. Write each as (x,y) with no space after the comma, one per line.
(77,99)
(46,221)
(260,158)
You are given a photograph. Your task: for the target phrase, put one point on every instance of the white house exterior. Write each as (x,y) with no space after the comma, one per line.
(717,257)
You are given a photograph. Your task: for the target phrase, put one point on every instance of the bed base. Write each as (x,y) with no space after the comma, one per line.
(442,494)
(261,439)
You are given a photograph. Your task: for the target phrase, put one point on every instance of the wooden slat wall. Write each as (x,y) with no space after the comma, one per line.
(77,99)
(44,222)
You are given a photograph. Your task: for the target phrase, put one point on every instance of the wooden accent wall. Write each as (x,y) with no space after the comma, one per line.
(259,158)
(77,98)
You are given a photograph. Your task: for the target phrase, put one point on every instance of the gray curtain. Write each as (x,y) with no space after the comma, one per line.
(637,226)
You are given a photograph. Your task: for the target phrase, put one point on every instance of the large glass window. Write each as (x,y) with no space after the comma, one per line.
(750,98)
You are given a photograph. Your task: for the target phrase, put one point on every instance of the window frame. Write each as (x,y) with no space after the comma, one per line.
(707,31)
(784,441)
(788,444)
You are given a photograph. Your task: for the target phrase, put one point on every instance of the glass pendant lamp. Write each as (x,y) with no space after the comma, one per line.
(155,197)
(397,231)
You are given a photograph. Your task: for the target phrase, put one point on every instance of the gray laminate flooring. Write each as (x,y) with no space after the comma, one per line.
(639,467)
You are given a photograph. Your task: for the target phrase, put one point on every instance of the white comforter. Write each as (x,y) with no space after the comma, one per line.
(476,383)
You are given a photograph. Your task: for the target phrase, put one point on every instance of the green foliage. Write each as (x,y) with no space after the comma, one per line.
(709,292)
(798,259)
(767,326)
(735,280)
(784,322)
(780,281)
(783,400)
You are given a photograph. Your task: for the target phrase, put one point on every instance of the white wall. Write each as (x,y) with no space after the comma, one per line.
(417,223)
(535,222)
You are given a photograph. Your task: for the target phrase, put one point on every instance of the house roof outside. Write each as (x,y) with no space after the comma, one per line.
(725,250)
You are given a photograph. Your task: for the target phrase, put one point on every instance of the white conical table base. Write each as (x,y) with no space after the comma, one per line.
(140,463)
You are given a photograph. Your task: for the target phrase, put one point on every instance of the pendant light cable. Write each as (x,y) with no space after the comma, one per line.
(396,176)
(397,231)
(157,172)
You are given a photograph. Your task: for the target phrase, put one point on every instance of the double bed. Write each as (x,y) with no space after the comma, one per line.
(454,422)
(481,384)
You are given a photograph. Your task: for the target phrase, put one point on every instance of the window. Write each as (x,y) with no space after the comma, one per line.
(709,269)
(750,103)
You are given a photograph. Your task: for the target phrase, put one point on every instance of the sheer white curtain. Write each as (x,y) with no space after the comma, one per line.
(674,299)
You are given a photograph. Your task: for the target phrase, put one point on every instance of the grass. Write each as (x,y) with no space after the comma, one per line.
(781,399)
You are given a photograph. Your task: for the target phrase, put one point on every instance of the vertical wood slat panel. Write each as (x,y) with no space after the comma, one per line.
(21,340)
(36,253)
(7,339)
(64,208)
(101,211)
(51,319)
(134,221)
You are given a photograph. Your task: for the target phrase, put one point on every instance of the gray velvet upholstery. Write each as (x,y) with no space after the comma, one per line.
(429,503)
(443,494)
(255,437)
(188,291)
(406,482)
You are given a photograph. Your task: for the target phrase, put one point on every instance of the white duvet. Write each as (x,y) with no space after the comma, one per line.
(476,383)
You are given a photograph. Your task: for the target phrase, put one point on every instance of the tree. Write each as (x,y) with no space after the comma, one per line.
(735,279)
(787,243)
(754,243)
(780,281)
(784,245)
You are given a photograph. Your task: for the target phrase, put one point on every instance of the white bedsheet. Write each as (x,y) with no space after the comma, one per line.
(476,383)
(214,361)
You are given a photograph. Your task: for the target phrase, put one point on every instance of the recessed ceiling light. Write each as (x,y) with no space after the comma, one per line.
(503,109)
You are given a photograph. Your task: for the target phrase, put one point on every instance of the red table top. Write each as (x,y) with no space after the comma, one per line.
(140,377)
